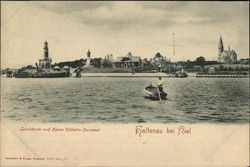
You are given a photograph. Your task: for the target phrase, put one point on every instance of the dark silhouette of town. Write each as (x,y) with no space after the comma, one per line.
(227,61)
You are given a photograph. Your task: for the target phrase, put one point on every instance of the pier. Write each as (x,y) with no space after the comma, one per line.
(222,75)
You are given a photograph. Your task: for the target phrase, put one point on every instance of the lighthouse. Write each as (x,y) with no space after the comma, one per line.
(46,49)
(45,63)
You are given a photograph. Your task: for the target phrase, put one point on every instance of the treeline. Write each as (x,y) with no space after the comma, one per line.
(225,67)
(72,64)
(95,62)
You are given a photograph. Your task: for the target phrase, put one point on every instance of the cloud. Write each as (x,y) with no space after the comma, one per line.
(202,12)
(143,28)
(68,7)
(113,15)
(127,14)
(121,15)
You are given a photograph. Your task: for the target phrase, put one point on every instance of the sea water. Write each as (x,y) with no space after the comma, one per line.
(121,100)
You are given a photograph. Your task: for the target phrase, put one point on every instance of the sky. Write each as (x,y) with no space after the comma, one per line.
(118,27)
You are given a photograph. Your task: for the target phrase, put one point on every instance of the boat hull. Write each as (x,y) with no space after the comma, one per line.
(153,93)
(180,74)
(60,74)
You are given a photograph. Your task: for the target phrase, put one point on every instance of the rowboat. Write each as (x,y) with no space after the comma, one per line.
(152,92)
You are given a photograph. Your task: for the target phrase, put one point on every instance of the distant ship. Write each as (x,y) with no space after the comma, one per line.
(42,74)
(181,74)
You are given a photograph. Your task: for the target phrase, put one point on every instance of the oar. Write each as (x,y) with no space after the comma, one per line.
(159,93)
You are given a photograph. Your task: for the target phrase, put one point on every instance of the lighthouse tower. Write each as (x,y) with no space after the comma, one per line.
(45,63)
(46,49)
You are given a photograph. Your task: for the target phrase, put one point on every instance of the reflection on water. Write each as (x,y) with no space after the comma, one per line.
(121,100)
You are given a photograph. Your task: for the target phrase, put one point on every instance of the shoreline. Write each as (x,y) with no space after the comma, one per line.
(148,75)
(135,75)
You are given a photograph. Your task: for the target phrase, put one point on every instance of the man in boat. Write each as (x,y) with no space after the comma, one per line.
(160,84)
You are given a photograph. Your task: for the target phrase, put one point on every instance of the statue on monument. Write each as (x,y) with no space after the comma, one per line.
(88,53)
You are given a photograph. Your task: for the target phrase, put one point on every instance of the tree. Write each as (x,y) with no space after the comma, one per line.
(158,55)
(96,62)
(200,59)
(188,65)
(29,67)
(106,63)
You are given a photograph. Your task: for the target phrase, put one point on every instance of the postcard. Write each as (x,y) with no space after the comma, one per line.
(124,83)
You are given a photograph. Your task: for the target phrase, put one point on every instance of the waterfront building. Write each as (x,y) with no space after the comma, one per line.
(66,67)
(226,56)
(57,68)
(159,58)
(211,70)
(160,62)
(128,61)
(45,63)
(160,67)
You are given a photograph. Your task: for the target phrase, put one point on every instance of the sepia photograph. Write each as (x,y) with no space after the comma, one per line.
(124,83)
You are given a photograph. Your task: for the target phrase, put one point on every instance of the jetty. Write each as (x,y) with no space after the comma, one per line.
(223,75)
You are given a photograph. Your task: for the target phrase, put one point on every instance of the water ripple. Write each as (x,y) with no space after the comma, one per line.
(191,100)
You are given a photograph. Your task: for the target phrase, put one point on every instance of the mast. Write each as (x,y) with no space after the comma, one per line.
(173,44)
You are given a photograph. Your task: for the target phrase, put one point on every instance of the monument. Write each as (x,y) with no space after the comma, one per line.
(88,59)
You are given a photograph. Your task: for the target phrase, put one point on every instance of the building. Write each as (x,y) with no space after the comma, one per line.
(45,63)
(160,62)
(226,56)
(211,70)
(158,58)
(128,61)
